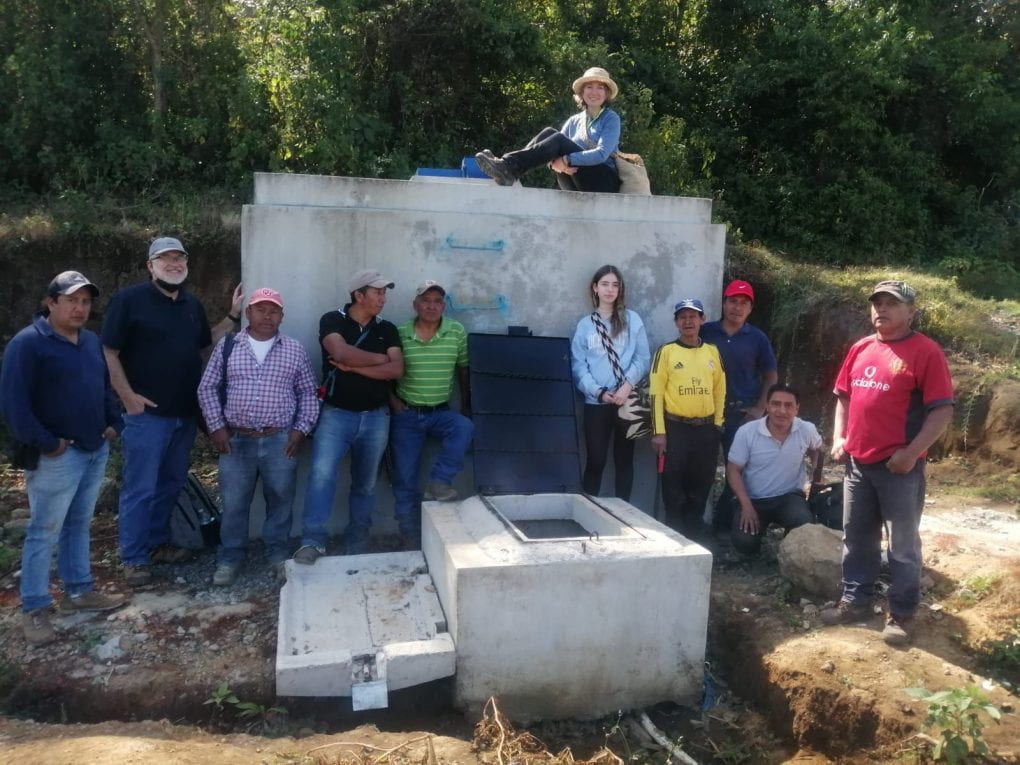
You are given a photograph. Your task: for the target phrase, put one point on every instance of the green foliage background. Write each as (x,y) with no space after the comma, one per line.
(848,131)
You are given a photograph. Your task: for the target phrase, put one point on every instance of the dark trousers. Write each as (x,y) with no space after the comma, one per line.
(722,513)
(550,144)
(872,495)
(787,510)
(602,425)
(692,452)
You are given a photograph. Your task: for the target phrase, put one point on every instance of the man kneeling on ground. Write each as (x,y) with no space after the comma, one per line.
(765,469)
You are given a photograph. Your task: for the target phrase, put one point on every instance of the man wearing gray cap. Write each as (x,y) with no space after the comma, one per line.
(894,397)
(59,407)
(153,337)
(360,356)
(435,350)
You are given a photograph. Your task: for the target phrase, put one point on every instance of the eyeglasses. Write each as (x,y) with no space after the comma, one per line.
(174,257)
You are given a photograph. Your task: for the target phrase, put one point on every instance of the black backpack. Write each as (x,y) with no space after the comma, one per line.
(827,506)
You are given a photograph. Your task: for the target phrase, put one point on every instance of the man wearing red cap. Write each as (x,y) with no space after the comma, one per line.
(258,395)
(750,365)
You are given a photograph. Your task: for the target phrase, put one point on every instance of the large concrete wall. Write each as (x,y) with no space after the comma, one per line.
(507,256)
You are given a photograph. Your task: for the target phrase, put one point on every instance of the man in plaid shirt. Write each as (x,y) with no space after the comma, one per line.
(259,408)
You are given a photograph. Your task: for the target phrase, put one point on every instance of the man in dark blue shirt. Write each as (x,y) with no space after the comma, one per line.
(59,406)
(153,338)
(750,365)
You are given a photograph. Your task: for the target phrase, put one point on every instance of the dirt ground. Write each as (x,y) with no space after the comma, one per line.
(780,687)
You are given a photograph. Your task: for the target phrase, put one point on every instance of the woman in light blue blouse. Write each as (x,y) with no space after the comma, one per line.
(581,152)
(609,355)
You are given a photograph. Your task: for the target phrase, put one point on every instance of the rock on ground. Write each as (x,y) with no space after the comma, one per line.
(809,558)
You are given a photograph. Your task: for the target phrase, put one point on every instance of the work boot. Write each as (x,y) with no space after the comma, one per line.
(845,612)
(496,168)
(170,554)
(355,545)
(308,554)
(37,627)
(137,576)
(225,574)
(90,601)
(898,630)
(440,492)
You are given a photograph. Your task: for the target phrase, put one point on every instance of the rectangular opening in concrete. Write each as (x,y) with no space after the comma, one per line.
(557,517)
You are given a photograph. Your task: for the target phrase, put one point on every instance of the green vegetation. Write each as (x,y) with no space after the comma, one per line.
(849,132)
(954,714)
(977,588)
(259,718)
(1001,658)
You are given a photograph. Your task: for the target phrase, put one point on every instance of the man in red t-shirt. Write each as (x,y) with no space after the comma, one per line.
(894,399)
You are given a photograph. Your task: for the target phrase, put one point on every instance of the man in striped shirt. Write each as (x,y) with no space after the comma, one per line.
(259,401)
(434,348)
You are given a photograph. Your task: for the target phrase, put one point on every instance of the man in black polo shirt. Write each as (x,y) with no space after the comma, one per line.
(360,355)
(153,338)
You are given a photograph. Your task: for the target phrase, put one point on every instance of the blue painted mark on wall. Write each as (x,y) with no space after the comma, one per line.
(495,245)
(499,303)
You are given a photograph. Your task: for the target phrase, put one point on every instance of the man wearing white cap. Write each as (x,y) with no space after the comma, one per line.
(435,349)
(360,356)
(894,398)
(60,409)
(153,338)
(258,395)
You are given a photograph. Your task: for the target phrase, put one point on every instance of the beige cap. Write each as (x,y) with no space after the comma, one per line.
(429,284)
(368,278)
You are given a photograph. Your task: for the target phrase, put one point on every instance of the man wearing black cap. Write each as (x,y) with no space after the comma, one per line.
(59,406)
(688,391)
(360,356)
(894,397)
(153,337)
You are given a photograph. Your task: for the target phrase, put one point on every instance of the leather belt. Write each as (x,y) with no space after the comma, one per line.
(691,420)
(426,409)
(255,432)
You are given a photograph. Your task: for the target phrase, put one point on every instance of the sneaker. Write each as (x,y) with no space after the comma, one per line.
(845,612)
(37,627)
(170,554)
(308,554)
(898,630)
(137,576)
(225,575)
(440,492)
(90,601)
(495,168)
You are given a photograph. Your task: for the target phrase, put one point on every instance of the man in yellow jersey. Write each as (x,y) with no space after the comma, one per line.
(688,389)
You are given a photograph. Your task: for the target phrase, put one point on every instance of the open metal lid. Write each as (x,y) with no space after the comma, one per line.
(522,403)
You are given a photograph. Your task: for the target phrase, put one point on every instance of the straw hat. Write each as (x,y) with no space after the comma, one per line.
(596,74)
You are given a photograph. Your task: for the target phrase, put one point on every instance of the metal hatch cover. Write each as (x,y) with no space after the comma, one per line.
(522,404)
(360,626)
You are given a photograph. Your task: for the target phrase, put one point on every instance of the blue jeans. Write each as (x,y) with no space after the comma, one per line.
(62,494)
(872,495)
(251,459)
(408,432)
(364,435)
(157,453)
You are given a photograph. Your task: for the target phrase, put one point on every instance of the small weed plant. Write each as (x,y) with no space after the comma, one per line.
(258,717)
(956,715)
(1002,657)
(977,588)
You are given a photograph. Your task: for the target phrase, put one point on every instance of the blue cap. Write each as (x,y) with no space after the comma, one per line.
(689,303)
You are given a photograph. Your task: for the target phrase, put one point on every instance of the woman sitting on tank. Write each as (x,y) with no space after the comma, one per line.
(580,153)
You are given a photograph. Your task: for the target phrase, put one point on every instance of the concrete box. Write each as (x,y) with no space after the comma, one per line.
(613,617)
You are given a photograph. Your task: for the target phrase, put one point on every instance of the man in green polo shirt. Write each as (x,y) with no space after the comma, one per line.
(434,348)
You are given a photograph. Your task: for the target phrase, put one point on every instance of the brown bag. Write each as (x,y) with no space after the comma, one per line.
(632,172)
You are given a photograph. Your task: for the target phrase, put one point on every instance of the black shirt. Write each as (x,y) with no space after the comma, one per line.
(160,340)
(349,390)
